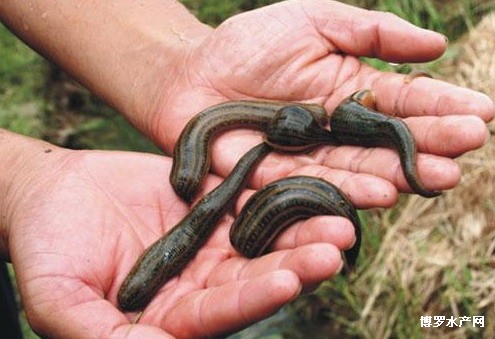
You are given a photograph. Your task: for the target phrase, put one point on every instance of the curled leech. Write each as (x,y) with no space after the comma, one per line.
(354,123)
(281,203)
(192,156)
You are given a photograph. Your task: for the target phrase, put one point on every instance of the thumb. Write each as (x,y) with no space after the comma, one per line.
(361,32)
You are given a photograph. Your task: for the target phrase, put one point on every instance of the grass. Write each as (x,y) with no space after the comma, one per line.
(424,257)
(20,80)
(422,13)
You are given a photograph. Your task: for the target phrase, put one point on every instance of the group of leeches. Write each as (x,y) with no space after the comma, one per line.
(287,127)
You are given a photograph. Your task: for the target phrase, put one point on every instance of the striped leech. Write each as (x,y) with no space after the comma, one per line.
(281,203)
(288,127)
(192,151)
(171,253)
(355,122)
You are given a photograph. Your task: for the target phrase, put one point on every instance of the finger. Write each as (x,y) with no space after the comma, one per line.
(357,170)
(334,230)
(138,331)
(448,136)
(436,173)
(312,263)
(369,176)
(364,190)
(226,308)
(361,32)
(426,96)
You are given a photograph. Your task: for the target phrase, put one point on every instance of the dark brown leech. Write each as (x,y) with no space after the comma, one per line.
(171,253)
(192,152)
(281,203)
(297,129)
(352,123)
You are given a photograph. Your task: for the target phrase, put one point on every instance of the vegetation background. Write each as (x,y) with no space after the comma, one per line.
(424,257)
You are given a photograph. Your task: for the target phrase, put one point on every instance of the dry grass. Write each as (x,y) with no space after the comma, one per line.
(437,257)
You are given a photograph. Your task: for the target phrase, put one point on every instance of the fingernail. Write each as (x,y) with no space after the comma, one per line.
(487,137)
(341,267)
(446,38)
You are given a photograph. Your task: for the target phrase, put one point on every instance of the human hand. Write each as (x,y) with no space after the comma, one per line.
(309,51)
(79,222)
(297,50)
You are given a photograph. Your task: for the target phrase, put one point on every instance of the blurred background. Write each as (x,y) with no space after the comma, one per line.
(424,257)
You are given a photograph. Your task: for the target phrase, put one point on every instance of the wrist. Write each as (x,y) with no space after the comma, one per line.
(25,163)
(161,81)
(125,52)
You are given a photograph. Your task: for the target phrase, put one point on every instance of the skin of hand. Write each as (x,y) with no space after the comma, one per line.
(309,51)
(75,225)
